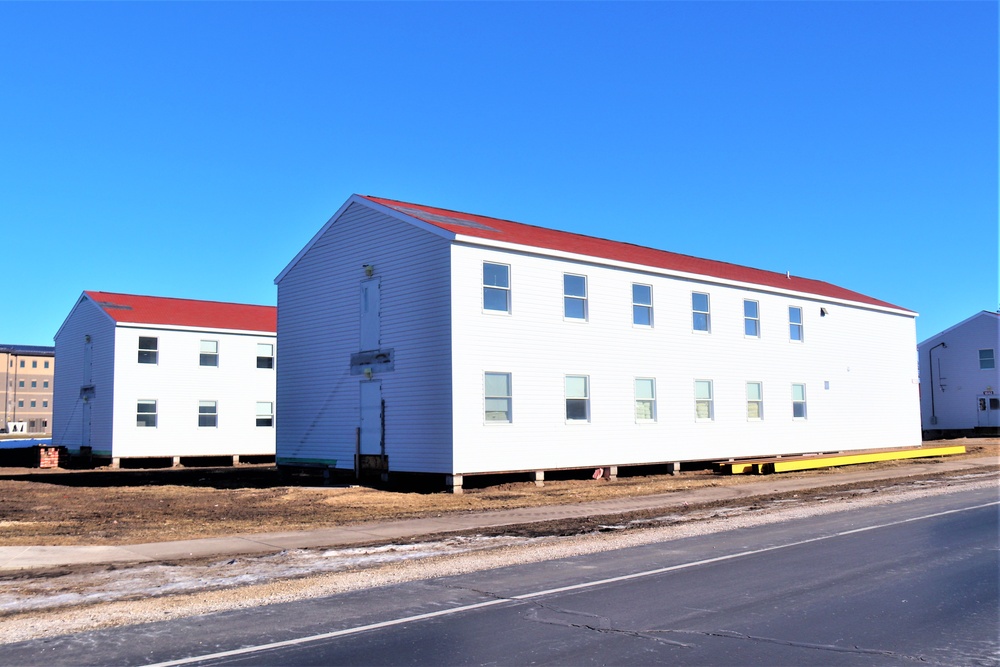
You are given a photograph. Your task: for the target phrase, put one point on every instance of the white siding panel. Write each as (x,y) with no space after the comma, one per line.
(86,319)
(177,382)
(319,328)
(867,358)
(958,380)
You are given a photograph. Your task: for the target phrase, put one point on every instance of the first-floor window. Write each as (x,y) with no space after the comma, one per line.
(20,404)
(32,404)
(145,414)
(45,404)
(208,414)
(498,397)
(577,398)
(703,401)
(987,360)
(755,400)
(798,401)
(645,399)
(265,413)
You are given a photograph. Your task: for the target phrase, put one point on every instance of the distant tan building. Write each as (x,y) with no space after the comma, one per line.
(27,388)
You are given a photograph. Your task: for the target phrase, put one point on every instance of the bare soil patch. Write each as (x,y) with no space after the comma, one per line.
(115,507)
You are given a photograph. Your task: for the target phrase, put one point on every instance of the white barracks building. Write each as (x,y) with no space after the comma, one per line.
(432,341)
(155,377)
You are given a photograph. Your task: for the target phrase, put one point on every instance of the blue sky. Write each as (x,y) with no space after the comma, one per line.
(191,149)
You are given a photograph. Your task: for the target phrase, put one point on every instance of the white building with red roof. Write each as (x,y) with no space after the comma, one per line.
(153,377)
(432,341)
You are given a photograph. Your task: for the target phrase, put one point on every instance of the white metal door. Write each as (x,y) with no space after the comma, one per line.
(371,329)
(371,417)
(988,410)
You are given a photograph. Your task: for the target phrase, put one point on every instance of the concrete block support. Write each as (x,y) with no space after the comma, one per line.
(539,478)
(176,463)
(454,482)
(236,459)
(674,468)
(611,472)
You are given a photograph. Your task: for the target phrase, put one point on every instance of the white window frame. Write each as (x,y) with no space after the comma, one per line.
(638,306)
(755,403)
(208,353)
(495,288)
(706,313)
(645,404)
(796,330)
(800,401)
(582,300)
(149,355)
(208,411)
(491,400)
(585,399)
(140,413)
(265,361)
(754,319)
(990,360)
(707,401)
(265,414)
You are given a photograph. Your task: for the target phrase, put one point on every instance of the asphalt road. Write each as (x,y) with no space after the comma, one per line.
(897,584)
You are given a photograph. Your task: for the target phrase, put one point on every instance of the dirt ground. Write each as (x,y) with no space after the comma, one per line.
(115,507)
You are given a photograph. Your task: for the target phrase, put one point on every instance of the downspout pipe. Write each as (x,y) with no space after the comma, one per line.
(930,361)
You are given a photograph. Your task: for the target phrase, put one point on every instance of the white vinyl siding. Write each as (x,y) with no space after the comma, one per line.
(317,406)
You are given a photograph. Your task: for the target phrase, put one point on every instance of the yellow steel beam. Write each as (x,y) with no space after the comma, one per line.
(809,463)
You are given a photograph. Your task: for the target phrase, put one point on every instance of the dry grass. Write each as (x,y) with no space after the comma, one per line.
(128,507)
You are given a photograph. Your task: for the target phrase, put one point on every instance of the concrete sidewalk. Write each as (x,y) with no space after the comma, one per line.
(32,557)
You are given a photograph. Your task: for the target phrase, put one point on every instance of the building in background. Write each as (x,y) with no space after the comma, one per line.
(28,385)
(155,377)
(959,379)
(423,340)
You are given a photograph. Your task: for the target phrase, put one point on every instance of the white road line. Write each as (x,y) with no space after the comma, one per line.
(551,591)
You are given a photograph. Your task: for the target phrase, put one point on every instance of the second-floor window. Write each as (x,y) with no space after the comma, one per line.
(642,305)
(987,360)
(700,315)
(574,296)
(209,353)
(751,318)
(795,323)
(496,287)
(147,350)
(265,355)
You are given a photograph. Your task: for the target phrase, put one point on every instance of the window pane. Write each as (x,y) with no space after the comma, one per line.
(495,299)
(798,392)
(644,388)
(497,384)
(700,322)
(498,409)
(210,346)
(265,362)
(642,315)
(987,361)
(575,308)
(642,295)
(750,327)
(205,407)
(576,386)
(703,389)
(699,302)
(644,410)
(753,410)
(795,315)
(265,350)
(574,285)
(799,410)
(703,409)
(750,309)
(147,343)
(576,409)
(496,275)
(753,391)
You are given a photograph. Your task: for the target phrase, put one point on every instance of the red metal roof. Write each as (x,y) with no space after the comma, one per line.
(135,309)
(507,231)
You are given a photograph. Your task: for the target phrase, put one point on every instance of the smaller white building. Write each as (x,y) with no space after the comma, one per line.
(959,380)
(144,377)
